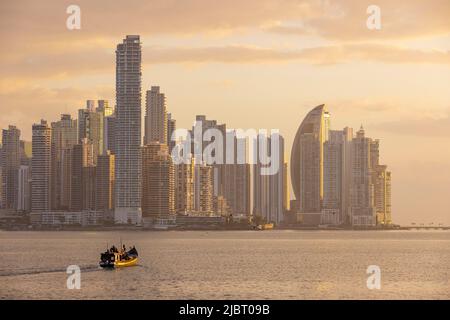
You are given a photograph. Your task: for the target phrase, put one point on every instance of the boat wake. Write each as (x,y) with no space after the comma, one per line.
(22,272)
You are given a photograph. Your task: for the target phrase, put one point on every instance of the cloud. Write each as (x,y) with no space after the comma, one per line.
(345,20)
(434,127)
(26,71)
(317,55)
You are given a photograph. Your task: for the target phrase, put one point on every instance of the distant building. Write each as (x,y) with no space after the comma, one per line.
(64,137)
(11,163)
(89,191)
(82,157)
(382,194)
(155,116)
(307,164)
(336,176)
(24,189)
(2,190)
(171,127)
(109,133)
(203,189)
(237,188)
(105,182)
(268,198)
(158,193)
(41,167)
(90,126)
(104,108)
(67,218)
(184,187)
(363,212)
(201,126)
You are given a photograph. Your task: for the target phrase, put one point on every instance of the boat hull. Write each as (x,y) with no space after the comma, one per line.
(126,263)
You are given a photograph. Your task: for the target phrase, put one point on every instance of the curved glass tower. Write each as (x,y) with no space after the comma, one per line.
(307,160)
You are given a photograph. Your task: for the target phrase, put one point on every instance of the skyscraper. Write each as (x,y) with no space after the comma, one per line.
(336,176)
(237,188)
(128,131)
(64,137)
(82,157)
(158,183)
(363,212)
(24,188)
(184,187)
(382,194)
(11,163)
(307,164)
(90,126)
(41,167)
(155,116)
(105,182)
(109,133)
(203,189)
(201,126)
(268,197)
(171,127)
(104,108)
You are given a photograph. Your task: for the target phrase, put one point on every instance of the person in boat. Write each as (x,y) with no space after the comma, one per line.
(133,251)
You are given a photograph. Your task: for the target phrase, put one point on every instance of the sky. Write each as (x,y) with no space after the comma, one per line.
(253,64)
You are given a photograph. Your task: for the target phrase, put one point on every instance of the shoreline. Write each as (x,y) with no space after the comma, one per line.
(140,229)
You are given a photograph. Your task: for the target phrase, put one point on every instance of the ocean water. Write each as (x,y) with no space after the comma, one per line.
(276,264)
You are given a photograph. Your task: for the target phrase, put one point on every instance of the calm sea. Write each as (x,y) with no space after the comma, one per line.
(229,265)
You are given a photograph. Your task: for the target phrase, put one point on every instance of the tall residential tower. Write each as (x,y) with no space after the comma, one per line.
(128,131)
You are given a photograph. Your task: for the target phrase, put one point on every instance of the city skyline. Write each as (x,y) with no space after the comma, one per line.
(401,99)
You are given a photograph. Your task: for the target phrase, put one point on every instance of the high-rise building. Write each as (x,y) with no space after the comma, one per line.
(307,164)
(362,211)
(104,108)
(237,188)
(25,153)
(2,190)
(184,187)
(158,183)
(201,126)
(286,191)
(268,198)
(41,167)
(236,181)
(109,133)
(90,126)
(11,163)
(66,178)
(105,182)
(88,187)
(171,127)
(128,131)
(203,189)
(382,194)
(155,116)
(336,177)
(24,189)
(64,137)
(82,157)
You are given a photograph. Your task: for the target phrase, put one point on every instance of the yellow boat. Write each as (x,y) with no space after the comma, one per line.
(125,263)
(114,258)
